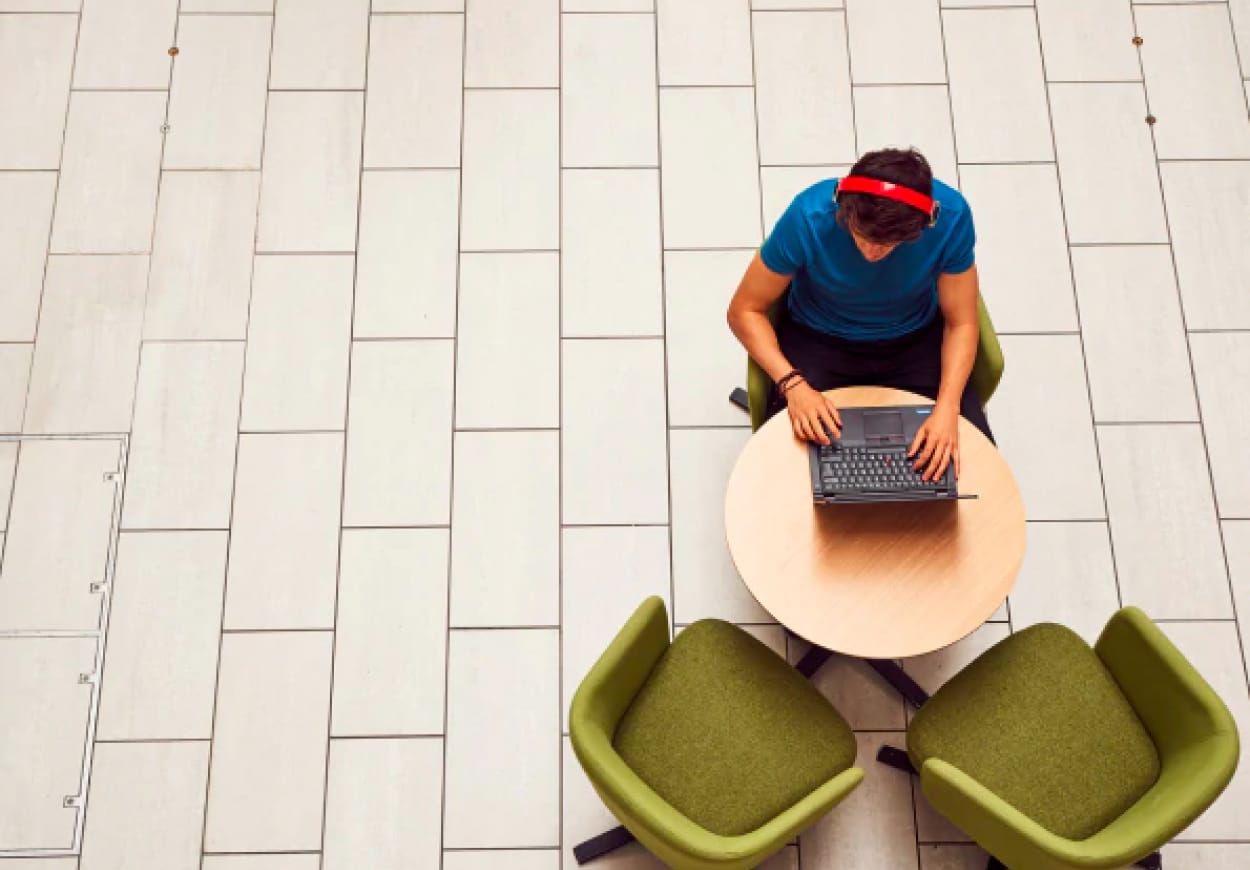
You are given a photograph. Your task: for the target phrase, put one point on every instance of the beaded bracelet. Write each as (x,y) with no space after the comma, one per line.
(785,379)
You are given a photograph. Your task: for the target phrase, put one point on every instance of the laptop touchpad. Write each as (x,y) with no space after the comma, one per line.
(883,427)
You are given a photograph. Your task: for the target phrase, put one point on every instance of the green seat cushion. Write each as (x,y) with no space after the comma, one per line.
(728,733)
(1039,721)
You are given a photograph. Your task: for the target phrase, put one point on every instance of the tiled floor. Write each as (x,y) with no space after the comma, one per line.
(405,323)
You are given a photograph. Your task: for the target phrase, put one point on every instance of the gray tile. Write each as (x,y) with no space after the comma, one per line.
(704,42)
(1088,41)
(952,856)
(884,53)
(512,44)
(36,57)
(14,378)
(1163,523)
(320,44)
(529,859)
(503,793)
(917,116)
(1222,366)
(1134,334)
(269,753)
(284,534)
(867,702)
(779,185)
(123,43)
(508,355)
(25,224)
(1068,577)
(1236,535)
(585,816)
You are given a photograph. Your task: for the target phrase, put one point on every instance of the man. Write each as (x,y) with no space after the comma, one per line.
(883,290)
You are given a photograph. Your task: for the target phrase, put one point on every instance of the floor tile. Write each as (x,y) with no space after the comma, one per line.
(608,90)
(610,272)
(25,224)
(585,816)
(866,702)
(167,596)
(779,185)
(217,98)
(383,804)
(884,53)
(36,57)
(998,96)
(1088,42)
(41,5)
(399,434)
(505,539)
(407,261)
(256,6)
(299,336)
(1240,11)
(1134,335)
(1212,244)
(783,5)
(952,856)
(201,278)
(83,376)
(8,469)
(320,44)
(502,793)
(803,88)
(1068,577)
(613,406)
(703,363)
(414,97)
(1236,535)
(390,654)
(704,42)
(308,190)
(181,464)
(1055,485)
(608,5)
(1208,856)
(909,116)
(512,44)
(146,806)
(977,4)
(106,201)
(1163,523)
(123,43)
(1107,170)
(269,743)
(529,859)
(14,378)
(39,863)
(1221,369)
(284,540)
(508,355)
(1191,77)
(511,143)
(932,670)
(1039,298)
(710,183)
(307,861)
(418,5)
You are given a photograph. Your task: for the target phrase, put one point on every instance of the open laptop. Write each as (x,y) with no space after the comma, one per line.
(869,462)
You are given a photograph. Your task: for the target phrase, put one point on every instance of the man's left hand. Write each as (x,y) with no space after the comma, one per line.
(936,444)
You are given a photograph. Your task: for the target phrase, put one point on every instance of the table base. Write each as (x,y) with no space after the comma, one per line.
(888,670)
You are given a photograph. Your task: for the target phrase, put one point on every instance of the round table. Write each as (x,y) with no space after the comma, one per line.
(876,581)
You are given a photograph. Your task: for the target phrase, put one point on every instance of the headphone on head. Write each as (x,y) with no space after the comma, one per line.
(889,190)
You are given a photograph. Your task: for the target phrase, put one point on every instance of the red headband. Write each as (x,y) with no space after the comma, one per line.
(887,189)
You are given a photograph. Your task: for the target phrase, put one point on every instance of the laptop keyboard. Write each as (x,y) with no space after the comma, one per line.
(877,469)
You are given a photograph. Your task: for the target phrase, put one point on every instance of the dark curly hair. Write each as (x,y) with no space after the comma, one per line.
(885,221)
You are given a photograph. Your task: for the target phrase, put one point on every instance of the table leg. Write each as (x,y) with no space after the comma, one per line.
(897,677)
(811,662)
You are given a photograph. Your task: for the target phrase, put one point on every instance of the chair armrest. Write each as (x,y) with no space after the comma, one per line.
(621,671)
(987,368)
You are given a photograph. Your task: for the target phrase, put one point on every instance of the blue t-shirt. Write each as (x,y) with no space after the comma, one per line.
(836,291)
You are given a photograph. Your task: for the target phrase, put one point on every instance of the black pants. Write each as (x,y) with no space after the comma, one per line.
(911,362)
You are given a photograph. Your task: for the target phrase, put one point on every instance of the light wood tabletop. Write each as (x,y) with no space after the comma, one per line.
(874,581)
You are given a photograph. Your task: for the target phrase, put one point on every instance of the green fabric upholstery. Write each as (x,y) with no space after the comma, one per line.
(620,683)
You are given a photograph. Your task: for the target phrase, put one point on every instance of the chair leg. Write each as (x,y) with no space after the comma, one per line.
(894,757)
(603,844)
(1153,861)
(995,864)
(739,398)
(902,683)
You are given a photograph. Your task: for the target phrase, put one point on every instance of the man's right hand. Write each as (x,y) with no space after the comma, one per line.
(810,408)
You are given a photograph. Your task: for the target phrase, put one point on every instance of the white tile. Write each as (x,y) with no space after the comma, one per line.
(1191,72)
(784,5)
(998,95)
(705,360)
(167,596)
(406,266)
(705,582)
(1240,11)
(607,572)
(1237,551)
(284,540)
(217,99)
(528,859)
(418,5)
(1221,368)
(867,702)
(613,405)
(1067,577)
(932,670)
(201,275)
(40,5)
(508,355)
(512,44)
(1208,856)
(106,201)
(704,42)
(503,793)
(977,4)
(1163,523)
(86,358)
(25,224)
(399,434)
(390,655)
(505,529)
(1057,484)
(511,182)
(1211,240)
(711,190)
(882,52)
(414,97)
(146,806)
(36,57)
(585,816)
(383,804)
(610,272)
(803,88)
(256,6)
(1088,41)
(608,5)
(8,468)
(308,190)
(269,753)
(124,44)
(320,44)
(1107,169)
(14,378)
(779,185)
(909,116)
(1134,335)
(955,856)
(39,863)
(181,466)
(298,340)
(308,861)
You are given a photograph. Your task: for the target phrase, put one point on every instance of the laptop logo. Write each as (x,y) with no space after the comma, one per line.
(923,412)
